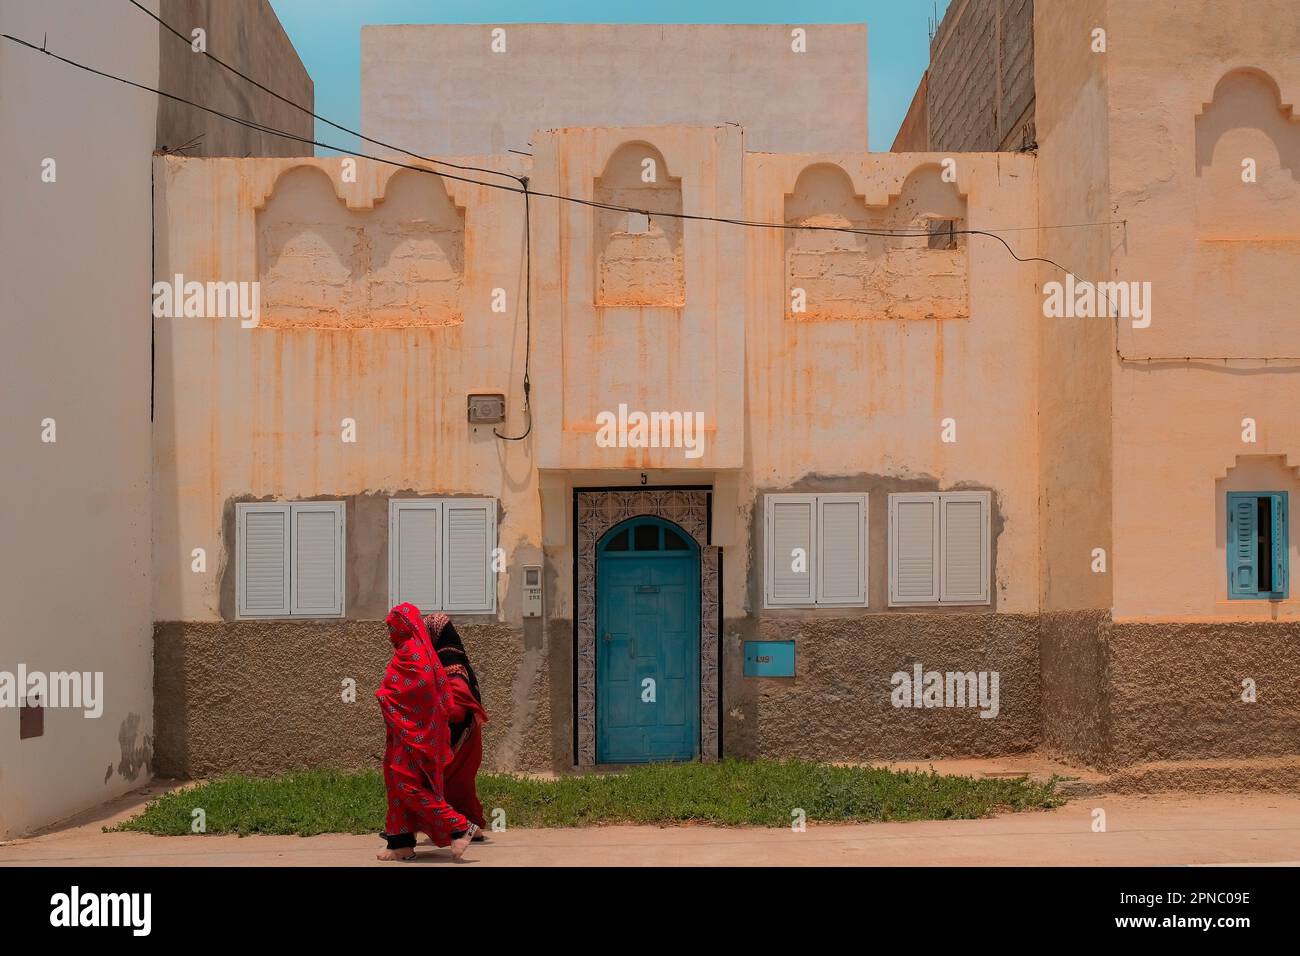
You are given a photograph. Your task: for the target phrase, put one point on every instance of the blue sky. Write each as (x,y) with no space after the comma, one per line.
(327,35)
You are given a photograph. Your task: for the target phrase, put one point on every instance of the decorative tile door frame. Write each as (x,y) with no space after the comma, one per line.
(595,512)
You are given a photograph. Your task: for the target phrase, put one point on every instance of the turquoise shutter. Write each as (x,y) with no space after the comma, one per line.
(1243,578)
(1280,544)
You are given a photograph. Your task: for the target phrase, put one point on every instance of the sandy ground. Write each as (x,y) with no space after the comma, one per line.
(1183,829)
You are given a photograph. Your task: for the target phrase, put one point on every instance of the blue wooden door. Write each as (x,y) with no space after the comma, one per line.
(647,643)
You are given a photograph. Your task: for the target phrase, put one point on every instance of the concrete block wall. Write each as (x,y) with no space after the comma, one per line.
(980,85)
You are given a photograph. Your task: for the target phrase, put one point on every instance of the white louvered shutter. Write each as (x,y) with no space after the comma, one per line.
(318,558)
(965,540)
(469,535)
(842,550)
(914,548)
(790,524)
(263,550)
(414,553)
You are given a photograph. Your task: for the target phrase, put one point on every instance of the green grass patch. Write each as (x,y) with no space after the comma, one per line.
(731,793)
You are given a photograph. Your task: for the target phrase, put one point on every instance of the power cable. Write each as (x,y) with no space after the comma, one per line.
(522,189)
(298,106)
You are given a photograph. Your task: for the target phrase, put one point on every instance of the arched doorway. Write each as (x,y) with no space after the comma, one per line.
(647,647)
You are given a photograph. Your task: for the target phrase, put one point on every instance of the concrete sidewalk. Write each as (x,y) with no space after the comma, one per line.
(1257,829)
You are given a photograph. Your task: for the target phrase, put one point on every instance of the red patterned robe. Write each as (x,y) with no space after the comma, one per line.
(416,699)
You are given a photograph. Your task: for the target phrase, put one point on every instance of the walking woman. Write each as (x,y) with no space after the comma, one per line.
(416,701)
(467,718)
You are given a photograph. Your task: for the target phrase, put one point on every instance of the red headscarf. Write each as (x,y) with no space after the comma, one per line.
(415,697)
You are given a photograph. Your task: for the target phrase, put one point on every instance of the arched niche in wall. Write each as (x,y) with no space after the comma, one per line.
(639,260)
(1247,161)
(323,265)
(839,275)
(827,272)
(930,276)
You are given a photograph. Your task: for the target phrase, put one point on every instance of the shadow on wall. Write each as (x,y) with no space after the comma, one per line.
(639,259)
(323,265)
(837,275)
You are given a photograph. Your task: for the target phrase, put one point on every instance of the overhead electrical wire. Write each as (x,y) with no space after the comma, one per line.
(528,325)
(314,115)
(522,188)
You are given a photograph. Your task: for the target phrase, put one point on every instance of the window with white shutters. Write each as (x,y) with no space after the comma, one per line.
(263,549)
(440,553)
(939,548)
(414,553)
(290,559)
(816,550)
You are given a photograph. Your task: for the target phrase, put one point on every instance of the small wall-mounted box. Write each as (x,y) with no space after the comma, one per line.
(769,658)
(487,408)
(532,590)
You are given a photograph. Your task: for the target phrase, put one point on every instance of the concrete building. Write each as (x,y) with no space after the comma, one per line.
(835,478)
(903,463)
(76,580)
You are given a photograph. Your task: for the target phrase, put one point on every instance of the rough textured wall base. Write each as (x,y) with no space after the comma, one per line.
(1072,660)
(838,707)
(1176,691)
(263,697)
(1118,695)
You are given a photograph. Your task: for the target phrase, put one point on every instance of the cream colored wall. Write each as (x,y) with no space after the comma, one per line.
(1223,258)
(866,397)
(1075,356)
(258,411)
(439,89)
(74,347)
(590,357)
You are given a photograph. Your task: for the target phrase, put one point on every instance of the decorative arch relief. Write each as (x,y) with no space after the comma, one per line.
(322,264)
(1247,162)
(837,275)
(639,260)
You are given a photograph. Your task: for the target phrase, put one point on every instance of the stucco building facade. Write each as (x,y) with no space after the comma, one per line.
(807,463)
(973,485)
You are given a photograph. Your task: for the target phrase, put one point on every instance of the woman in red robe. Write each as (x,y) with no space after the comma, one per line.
(467,718)
(416,701)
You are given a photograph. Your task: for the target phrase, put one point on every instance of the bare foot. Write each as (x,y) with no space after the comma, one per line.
(459,845)
(407,853)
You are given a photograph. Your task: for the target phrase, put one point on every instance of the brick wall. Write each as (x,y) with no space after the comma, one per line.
(980,85)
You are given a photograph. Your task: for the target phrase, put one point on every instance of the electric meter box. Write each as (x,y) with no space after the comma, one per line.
(487,409)
(533,590)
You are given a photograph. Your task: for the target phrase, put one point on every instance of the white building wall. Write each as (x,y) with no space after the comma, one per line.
(75,347)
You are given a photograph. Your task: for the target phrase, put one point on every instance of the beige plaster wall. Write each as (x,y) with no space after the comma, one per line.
(441,90)
(255,412)
(1223,258)
(1075,356)
(862,400)
(74,347)
(591,356)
